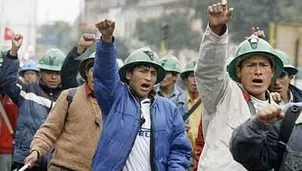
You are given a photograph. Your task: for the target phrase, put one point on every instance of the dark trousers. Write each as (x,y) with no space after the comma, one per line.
(53,167)
(17,166)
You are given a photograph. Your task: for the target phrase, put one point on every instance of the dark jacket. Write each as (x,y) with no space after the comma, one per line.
(70,70)
(297,93)
(256,145)
(34,100)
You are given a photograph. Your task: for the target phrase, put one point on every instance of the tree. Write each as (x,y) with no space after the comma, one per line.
(180,34)
(56,35)
(253,13)
(122,49)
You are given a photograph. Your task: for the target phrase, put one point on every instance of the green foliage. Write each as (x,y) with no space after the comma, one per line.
(257,13)
(122,49)
(57,34)
(180,34)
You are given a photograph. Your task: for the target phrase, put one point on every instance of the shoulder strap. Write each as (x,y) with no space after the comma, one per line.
(286,129)
(69,98)
(193,108)
(288,123)
(70,95)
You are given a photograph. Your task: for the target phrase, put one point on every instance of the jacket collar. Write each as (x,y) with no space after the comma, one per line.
(47,90)
(151,95)
(88,91)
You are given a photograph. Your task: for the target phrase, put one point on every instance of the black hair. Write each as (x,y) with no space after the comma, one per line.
(89,65)
(241,61)
(132,67)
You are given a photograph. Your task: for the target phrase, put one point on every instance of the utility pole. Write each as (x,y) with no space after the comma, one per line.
(274,16)
(164,39)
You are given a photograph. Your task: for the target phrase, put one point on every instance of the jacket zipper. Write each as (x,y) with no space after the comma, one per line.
(51,99)
(138,126)
(152,151)
(151,136)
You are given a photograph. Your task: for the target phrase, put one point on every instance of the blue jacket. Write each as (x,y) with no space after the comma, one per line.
(181,102)
(176,92)
(170,148)
(34,101)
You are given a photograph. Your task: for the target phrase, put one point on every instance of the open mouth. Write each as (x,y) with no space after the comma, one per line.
(145,86)
(278,89)
(257,81)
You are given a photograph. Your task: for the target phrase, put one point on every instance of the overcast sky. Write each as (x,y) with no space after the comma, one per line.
(51,10)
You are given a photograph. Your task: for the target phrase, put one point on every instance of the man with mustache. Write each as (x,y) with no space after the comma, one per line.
(34,99)
(189,104)
(167,88)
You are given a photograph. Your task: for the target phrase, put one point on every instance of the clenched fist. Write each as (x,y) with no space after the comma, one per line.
(106,28)
(16,44)
(270,114)
(86,40)
(258,32)
(219,14)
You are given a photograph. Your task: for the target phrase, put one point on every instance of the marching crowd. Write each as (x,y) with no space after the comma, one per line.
(133,116)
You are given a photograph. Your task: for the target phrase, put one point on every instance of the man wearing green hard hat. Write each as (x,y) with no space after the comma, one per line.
(141,131)
(268,140)
(34,100)
(189,105)
(167,88)
(282,84)
(229,99)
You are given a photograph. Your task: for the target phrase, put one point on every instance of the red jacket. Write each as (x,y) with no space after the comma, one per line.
(199,146)
(6,139)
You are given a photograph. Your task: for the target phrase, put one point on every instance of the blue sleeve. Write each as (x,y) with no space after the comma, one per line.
(106,79)
(180,151)
(9,78)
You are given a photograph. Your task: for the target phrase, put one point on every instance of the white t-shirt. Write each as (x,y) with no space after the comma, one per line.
(291,98)
(139,158)
(259,104)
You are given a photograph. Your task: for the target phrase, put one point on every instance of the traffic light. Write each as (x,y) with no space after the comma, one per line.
(164,39)
(165,31)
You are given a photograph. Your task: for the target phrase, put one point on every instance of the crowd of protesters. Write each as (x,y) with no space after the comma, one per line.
(239,114)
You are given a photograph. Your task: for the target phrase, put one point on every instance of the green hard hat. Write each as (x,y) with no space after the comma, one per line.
(189,68)
(251,47)
(143,56)
(286,62)
(120,63)
(52,60)
(170,63)
(84,64)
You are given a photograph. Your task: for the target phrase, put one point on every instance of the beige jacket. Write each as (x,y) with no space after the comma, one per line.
(74,140)
(224,107)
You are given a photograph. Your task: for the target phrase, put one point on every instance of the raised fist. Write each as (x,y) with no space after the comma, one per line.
(16,44)
(86,40)
(219,14)
(106,28)
(258,32)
